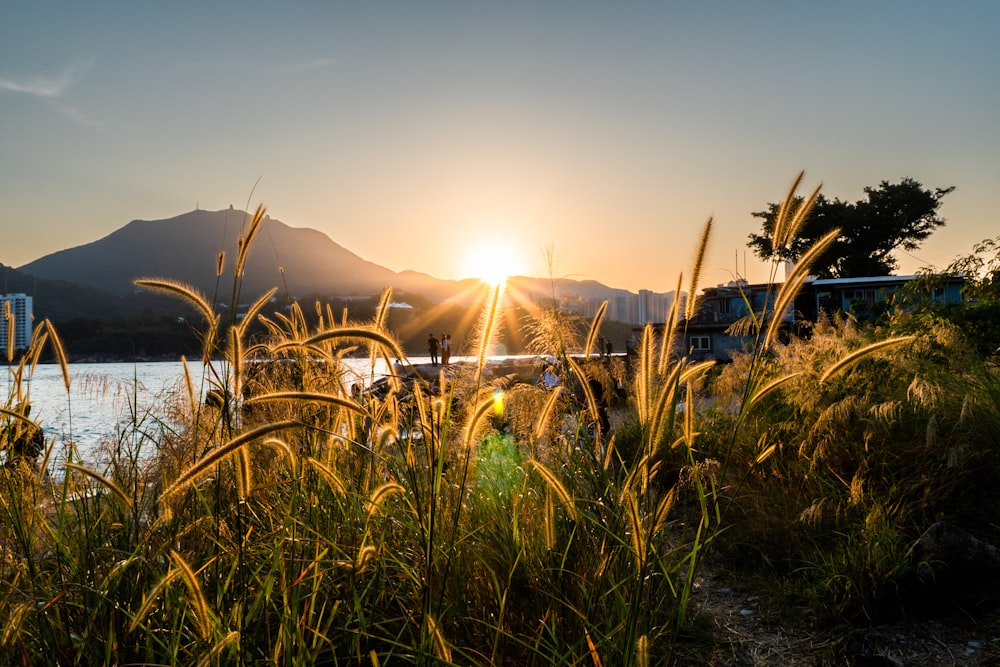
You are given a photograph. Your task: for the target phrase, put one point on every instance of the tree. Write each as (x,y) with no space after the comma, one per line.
(977,316)
(894,215)
(981,270)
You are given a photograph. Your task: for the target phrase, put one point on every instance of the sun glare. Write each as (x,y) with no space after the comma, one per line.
(492,261)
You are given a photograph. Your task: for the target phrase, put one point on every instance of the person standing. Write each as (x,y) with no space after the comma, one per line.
(445,348)
(432,348)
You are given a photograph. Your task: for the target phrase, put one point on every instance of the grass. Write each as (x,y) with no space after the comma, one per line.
(472,521)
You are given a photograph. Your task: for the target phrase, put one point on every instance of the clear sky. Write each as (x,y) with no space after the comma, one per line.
(411,131)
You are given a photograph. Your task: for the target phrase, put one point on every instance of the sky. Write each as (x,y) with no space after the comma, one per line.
(592,140)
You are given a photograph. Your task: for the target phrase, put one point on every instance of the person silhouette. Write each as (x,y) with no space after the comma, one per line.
(432,348)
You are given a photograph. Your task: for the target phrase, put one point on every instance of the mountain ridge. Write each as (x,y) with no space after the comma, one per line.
(300,261)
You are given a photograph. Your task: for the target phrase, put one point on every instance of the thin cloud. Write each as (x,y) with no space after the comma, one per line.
(36,86)
(51,90)
(78,116)
(48,87)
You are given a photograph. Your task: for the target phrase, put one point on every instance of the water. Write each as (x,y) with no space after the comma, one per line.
(106,400)
(102,400)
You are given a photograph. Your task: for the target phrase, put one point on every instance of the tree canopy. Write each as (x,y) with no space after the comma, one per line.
(893,215)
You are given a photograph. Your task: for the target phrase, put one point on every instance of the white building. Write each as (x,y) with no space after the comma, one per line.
(653,307)
(635,309)
(18,308)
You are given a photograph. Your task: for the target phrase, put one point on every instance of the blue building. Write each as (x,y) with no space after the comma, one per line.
(719,326)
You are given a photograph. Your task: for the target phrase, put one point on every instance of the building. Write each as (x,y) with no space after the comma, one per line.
(652,306)
(864,296)
(709,334)
(714,331)
(18,308)
(637,309)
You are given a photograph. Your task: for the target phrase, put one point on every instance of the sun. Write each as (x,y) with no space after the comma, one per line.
(492,261)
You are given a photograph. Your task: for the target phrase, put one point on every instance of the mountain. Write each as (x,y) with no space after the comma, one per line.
(300,262)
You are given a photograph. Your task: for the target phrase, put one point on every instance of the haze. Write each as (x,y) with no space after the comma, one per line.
(409,132)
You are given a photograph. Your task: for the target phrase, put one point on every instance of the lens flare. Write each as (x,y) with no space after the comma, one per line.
(498,403)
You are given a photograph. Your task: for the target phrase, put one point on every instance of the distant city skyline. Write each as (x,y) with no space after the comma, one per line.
(408,133)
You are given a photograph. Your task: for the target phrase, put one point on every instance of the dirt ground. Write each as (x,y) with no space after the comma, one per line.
(737,626)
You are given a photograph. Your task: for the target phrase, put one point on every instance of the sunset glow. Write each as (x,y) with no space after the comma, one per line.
(609,132)
(492,261)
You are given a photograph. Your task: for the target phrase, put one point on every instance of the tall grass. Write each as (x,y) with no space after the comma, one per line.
(464,519)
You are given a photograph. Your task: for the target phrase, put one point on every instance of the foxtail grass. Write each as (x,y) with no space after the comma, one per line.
(693,286)
(854,357)
(460,519)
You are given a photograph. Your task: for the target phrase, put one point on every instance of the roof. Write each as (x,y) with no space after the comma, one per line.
(863,279)
(879,279)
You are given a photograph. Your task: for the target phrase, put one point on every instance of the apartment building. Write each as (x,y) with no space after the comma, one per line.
(16,307)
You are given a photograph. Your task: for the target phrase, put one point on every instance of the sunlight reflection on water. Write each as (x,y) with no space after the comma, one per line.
(103,399)
(107,401)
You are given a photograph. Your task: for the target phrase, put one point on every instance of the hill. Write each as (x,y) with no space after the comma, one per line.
(187,247)
(300,262)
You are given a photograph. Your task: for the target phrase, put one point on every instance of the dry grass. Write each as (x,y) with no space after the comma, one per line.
(467,520)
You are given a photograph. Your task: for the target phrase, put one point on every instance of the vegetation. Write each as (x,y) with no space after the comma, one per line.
(475,520)
(978,317)
(894,215)
(130,338)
